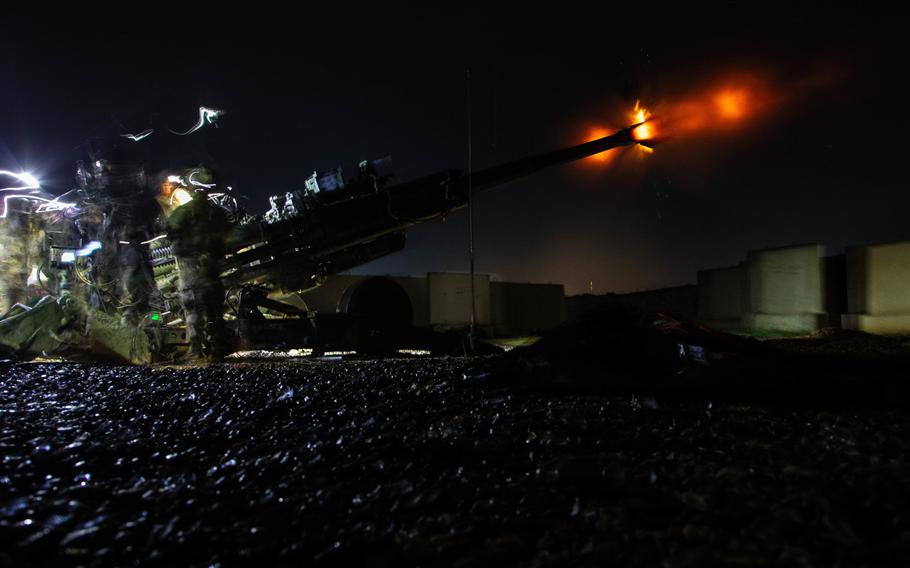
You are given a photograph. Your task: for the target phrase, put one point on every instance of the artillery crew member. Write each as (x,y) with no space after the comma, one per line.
(118,191)
(20,251)
(197,231)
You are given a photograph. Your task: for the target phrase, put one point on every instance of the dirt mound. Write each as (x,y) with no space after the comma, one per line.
(619,352)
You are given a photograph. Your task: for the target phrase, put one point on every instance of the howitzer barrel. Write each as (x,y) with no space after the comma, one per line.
(510,171)
(345,233)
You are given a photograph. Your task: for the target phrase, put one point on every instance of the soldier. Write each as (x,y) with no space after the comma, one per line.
(21,244)
(17,255)
(118,189)
(197,231)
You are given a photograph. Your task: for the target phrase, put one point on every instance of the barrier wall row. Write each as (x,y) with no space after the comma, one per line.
(798,289)
(442,300)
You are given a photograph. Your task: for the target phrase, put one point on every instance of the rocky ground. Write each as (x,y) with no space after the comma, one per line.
(426,462)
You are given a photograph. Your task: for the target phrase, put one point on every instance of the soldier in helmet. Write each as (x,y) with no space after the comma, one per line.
(197,231)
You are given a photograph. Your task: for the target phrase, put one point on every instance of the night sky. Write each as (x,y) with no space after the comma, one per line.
(315,90)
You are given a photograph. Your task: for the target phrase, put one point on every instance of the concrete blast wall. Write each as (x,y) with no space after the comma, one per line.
(450,299)
(878,288)
(786,289)
(775,290)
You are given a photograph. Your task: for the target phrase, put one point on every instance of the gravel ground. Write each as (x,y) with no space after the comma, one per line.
(414,462)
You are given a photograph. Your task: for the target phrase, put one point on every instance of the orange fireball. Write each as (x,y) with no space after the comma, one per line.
(732,104)
(645,129)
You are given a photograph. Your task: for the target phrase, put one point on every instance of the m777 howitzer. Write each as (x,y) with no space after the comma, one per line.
(329,227)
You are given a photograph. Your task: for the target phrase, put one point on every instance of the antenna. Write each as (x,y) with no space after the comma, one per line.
(472,338)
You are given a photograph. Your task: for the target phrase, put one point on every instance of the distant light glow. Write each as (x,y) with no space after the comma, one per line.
(206,116)
(137,137)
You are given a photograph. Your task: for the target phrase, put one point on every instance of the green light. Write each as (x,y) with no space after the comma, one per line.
(155,316)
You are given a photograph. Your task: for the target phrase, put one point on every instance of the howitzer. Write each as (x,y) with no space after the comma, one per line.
(330,226)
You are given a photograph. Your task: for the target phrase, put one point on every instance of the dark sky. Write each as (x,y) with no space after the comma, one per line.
(314,90)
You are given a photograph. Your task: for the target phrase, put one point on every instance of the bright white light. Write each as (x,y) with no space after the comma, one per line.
(181,196)
(30,181)
(49,204)
(68,257)
(271,354)
(54,205)
(199,183)
(175,179)
(158,238)
(140,136)
(88,249)
(414,352)
(206,116)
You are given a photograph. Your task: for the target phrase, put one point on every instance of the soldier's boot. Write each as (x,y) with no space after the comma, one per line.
(216,342)
(195,352)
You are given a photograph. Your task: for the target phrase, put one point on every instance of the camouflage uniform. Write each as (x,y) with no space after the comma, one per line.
(197,231)
(20,251)
(129,213)
(130,224)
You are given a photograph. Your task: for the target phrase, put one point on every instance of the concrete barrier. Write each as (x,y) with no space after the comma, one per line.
(780,290)
(450,299)
(786,290)
(878,288)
